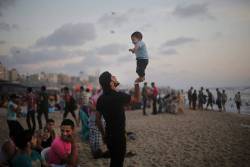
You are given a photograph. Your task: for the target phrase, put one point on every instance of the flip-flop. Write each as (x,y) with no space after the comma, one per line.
(130,154)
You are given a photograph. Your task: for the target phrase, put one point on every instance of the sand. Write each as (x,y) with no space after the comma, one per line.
(192,139)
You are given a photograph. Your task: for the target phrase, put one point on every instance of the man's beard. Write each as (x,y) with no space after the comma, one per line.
(66,138)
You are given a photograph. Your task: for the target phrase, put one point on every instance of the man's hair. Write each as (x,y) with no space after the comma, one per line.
(24,138)
(137,34)
(29,89)
(43,88)
(81,88)
(145,83)
(51,120)
(68,122)
(66,88)
(87,90)
(152,83)
(13,96)
(104,80)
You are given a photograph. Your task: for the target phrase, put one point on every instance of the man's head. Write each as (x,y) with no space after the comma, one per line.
(29,89)
(238,92)
(191,88)
(66,90)
(152,84)
(67,130)
(108,82)
(43,88)
(223,91)
(50,124)
(13,97)
(145,83)
(81,88)
(136,36)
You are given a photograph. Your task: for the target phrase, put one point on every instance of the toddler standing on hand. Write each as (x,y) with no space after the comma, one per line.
(141,53)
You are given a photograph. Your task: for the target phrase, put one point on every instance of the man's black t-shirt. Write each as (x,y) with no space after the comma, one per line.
(111,106)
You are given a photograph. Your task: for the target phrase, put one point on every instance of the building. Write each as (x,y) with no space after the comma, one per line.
(13,75)
(4,75)
(64,79)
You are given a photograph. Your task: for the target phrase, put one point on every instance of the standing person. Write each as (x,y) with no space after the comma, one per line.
(111,105)
(95,135)
(15,127)
(219,99)
(70,104)
(237,99)
(63,150)
(43,106)
(190,93)
(194,100)
(140,50)
(200,99)
(209,99)
(31,106)
(154,97)
(144,97)
(224,100)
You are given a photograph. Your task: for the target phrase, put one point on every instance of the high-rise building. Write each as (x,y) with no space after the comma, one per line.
(13,75)
(3,72)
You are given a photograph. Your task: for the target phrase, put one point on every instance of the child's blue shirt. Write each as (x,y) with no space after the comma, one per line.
(141,52)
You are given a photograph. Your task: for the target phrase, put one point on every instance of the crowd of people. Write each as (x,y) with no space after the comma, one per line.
(205,100)
(100,113)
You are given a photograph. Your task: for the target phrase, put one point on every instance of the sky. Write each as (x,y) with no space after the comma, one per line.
(190,42)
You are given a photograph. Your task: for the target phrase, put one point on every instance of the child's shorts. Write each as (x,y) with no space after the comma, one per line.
(141,66)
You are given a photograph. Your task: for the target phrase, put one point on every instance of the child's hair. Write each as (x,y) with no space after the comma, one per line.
(51,121)
(24,138)
(137,34)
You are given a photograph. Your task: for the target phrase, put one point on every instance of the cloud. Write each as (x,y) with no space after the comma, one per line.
(113,19)
(111,49)
(24,56)
(179,41)
(170,51)
(192,10)
(5,4)
(2,42)
(8,27)
(69,35)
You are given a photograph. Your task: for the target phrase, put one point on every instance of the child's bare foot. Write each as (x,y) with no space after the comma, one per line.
(137,80)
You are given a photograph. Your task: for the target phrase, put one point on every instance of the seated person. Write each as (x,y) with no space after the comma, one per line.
(26,156)
(63,150)
(8,151)
(50,126)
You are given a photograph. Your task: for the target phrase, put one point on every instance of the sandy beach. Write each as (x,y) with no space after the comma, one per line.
(192,139)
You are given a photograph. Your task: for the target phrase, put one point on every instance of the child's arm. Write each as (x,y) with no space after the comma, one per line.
(133,50)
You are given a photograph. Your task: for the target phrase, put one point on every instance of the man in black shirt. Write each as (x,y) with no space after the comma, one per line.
(110,105)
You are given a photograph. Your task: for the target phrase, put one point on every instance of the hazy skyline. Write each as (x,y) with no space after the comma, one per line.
(193,42)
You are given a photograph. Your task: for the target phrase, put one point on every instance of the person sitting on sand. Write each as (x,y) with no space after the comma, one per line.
(26,156)
(111,105)
(8,151)
(63,150)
